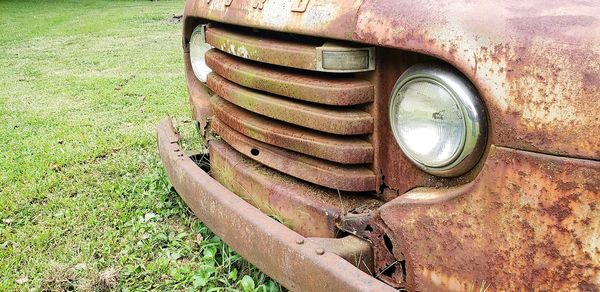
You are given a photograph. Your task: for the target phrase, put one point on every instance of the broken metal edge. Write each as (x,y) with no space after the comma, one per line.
(281,253)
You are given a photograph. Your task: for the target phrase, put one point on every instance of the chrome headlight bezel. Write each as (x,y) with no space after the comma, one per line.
(198,48)
(465,97)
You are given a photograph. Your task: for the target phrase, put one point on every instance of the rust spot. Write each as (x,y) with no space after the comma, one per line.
(561,209)
(539,237)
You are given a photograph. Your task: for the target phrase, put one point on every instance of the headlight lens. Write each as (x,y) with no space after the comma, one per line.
(438,120)
(429,123)
(198,48)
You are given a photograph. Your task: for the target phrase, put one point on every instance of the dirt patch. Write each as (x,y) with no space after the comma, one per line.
(176,18)
(80,278)
(106,280)
(61,278)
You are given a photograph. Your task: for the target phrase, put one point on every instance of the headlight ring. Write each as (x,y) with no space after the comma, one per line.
(438,120)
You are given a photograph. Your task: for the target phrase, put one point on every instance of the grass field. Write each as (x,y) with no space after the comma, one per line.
(84,201)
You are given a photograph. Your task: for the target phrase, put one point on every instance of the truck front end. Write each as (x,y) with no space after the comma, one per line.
(378,145)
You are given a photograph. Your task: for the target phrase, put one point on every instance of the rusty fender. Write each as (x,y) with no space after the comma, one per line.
(528,222)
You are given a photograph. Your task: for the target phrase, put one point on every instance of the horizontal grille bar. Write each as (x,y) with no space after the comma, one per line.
(342,149)
(309,86)
(343,121)
(332,175)
(278,52)
(319,56)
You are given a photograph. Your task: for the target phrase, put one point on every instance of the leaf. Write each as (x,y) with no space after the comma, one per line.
(173,256)
(233,274)
(148,216)
(272,286)
(210,252)
(180,274)
(247,283)
(199,281)
(182,235)
(202,277)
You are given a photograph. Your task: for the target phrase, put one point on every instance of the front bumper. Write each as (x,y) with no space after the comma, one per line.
(298,263)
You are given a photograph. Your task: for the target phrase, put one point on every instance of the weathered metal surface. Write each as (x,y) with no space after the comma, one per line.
(343,121)
(342,149)
(198,97)
(532,62)
(387,267)
(398,173)
(271,51)
(306,209)
(351,248)
(343,177)
(308,86)
(283,50)
(333,18)
(353,178)
(527,222)
(535,63)
(293,260)
(357,224)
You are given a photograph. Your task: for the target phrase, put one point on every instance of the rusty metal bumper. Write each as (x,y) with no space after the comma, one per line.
(298,263)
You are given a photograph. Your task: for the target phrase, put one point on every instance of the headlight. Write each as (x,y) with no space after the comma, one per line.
(438,120)
(198,48)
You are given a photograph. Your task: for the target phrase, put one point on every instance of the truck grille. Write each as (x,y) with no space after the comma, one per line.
(271,105)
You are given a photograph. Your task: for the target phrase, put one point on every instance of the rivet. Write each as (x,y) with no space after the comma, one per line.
(320,251)
(300,241)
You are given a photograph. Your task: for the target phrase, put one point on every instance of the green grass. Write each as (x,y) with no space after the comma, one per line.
(84,201)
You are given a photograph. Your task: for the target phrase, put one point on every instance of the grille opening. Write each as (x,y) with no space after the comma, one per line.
(403,266)
(254,152)
(388,243)
(202,160)
(389,271)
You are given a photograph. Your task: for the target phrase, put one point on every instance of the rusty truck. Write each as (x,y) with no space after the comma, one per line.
(374,145)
